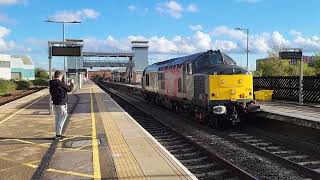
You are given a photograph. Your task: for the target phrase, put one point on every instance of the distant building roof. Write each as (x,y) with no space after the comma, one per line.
(133,42)
(25,59)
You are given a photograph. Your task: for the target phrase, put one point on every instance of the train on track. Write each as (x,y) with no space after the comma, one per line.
(208,85)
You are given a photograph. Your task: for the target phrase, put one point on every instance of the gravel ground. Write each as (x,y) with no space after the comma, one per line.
(250,161)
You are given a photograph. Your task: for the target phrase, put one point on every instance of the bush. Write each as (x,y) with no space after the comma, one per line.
(7,87)
(40,82)
(23,85)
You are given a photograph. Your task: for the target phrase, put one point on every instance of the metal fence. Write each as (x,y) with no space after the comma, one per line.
(287,88)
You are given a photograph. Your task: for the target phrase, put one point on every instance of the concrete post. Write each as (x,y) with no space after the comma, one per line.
(50,77)
(301,82)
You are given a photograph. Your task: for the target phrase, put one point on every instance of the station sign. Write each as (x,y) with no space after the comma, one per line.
(66,51)
(290,55)
(73,71)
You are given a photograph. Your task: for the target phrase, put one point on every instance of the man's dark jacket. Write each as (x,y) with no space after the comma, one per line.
(58,91)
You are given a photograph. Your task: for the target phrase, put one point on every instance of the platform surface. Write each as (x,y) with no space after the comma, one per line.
(26,129)
(102,141)
(298,114)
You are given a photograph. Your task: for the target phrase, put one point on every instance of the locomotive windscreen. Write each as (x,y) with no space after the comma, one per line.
(221,58)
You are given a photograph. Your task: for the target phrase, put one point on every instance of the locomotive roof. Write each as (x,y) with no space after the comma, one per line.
(182,60)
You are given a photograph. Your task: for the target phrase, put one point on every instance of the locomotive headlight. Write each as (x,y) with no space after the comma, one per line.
(233,91)
(219,110)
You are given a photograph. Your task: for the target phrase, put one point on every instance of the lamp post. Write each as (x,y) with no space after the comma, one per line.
(247,32)
(63,37)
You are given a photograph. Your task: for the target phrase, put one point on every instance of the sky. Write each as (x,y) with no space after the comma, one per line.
(172,26)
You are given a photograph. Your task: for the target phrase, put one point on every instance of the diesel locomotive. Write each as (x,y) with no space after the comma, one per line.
(208,85)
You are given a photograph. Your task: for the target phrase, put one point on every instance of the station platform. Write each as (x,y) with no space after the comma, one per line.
(102,141)
(303,115)
(308,116)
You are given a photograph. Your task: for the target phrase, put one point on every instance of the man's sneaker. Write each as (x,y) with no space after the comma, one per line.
(60,137)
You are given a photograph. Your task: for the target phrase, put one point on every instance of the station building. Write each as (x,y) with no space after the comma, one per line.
(16,67)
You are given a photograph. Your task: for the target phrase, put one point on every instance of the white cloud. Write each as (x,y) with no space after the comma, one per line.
(90,13)
(192,8)
(132,8)
(174,9)
(171,8)
(4,31)
(308,44)
(195,27)
(295,33)
(202,40)
(226,31)
(258,43)
(79,15)
(5,46)
(224,45)
(249,1)
(11,2)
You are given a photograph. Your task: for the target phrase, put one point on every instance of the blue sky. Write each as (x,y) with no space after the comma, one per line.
(184,25)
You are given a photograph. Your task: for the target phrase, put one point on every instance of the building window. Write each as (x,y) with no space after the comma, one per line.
(16,75)
(5,64)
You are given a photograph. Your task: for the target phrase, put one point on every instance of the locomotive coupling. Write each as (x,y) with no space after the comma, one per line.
(219,109)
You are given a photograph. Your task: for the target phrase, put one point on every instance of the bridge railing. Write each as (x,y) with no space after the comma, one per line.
(287,87)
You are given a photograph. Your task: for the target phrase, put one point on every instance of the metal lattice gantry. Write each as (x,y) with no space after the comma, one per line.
(107,59)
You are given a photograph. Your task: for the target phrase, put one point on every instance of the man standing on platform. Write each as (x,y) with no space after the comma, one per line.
(59,96)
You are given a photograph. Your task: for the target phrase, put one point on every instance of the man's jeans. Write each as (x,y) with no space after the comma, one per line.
(61,113)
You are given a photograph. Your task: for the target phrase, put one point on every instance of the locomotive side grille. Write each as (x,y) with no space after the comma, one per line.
(199,86)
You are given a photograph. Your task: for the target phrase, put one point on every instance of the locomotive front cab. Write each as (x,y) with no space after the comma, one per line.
(230,88)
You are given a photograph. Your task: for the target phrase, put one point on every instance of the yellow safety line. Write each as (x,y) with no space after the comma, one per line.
(1,122)
(95,151)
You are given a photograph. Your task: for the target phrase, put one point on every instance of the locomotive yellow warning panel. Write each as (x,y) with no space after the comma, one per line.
(231,87)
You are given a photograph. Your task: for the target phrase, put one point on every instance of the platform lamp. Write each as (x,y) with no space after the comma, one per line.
(247,32)
(63,37)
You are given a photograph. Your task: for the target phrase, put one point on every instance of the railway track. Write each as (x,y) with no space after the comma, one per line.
(295,159)
(304,163)
(201,162)
(299,161)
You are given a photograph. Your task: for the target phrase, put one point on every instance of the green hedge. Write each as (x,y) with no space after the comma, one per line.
(40,82)
(23,85)
(7,87)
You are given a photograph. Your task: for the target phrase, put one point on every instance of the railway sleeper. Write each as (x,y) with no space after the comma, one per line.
(219,174)
(165,139)
(195,161)
(209,165)
(167,133)
(176,146)
(165,136)
(191,155)
(171,142)
(182,150)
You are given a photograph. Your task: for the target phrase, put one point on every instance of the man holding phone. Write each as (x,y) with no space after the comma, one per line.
(59,96)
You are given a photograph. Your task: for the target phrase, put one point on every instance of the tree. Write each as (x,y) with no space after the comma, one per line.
(273,66)
(41,73)
(317,64)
